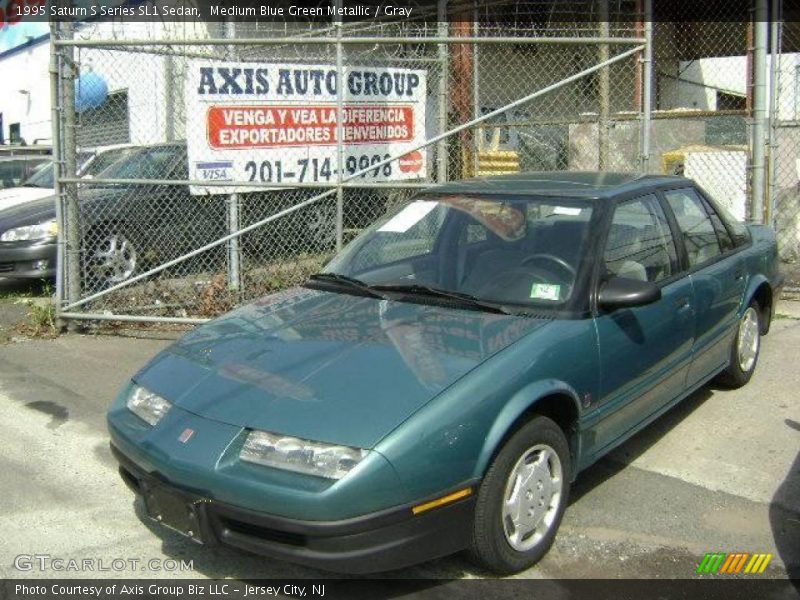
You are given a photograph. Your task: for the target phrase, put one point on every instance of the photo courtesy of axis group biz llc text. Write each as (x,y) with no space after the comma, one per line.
(356,299)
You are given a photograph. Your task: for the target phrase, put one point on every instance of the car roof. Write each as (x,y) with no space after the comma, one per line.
(26,158)
(587,185)
(17,150)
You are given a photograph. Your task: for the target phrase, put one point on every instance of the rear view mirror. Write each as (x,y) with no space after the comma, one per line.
(621,292)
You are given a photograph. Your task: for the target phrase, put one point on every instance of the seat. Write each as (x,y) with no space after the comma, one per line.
(622,246)
(488,265)
(630,269)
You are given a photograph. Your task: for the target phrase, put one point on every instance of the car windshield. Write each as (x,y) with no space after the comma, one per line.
(147,163)
(13,172)
(521,251)
(104,160)
(44,177)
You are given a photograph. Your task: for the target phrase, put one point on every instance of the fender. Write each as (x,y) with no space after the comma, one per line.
(753,283)
(518,404)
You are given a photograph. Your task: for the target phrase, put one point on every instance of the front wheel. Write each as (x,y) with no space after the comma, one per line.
(111,258)
(745,348)
(522,499)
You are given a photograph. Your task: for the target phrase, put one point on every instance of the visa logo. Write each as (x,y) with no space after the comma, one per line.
(215,174)
(214,171)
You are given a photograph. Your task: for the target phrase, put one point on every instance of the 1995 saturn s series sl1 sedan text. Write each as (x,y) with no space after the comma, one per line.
(442,382)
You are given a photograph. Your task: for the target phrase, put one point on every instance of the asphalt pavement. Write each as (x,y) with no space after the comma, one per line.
(720,473)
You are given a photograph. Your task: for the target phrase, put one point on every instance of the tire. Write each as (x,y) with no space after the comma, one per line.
(745,348)
(499,543)
(111,257)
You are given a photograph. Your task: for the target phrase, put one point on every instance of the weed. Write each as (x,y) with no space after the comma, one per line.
(41,321)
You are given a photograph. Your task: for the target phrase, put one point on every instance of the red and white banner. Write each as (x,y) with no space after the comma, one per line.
(278,123)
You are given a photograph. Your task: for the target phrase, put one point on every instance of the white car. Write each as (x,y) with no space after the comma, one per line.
(42,183)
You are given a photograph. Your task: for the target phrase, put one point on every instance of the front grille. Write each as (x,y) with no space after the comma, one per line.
(6,267)
(262,533)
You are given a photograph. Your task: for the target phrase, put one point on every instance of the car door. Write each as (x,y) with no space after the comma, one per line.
(645,351)
(718,276)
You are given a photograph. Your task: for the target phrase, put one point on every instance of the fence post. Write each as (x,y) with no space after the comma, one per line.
(234,274)
(758,140)
(442,157)
(72,237)
(340,83)
(58,161)
(774,118)
(603,89)
(647,86)
(169,93)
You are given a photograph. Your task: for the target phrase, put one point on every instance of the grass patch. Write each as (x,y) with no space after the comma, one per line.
(41,315)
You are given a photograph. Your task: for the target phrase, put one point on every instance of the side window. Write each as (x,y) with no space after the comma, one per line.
(741,235)
(640,244)
(696,226)
(725,241)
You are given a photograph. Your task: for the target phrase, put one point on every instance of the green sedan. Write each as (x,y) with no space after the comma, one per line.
(442,382)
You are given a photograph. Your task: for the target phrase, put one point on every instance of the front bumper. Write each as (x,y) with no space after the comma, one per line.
(376,542)
(28,260)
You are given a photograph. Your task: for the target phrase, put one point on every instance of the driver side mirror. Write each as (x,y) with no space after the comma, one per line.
(622,292)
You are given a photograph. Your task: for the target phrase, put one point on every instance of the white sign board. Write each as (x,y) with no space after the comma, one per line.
(265,123)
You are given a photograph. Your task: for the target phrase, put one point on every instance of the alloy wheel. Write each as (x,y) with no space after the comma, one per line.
(532,497)
(748,340)
(114,258)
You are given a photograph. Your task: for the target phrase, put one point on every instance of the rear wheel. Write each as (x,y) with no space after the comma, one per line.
(745,348)
(522,499)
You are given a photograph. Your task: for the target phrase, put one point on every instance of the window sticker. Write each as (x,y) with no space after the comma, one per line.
(545,291)
(409,216)
(567,210)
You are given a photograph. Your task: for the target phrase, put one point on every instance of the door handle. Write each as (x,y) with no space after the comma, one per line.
(683,303)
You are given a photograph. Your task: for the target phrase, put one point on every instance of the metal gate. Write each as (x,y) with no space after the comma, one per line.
(531,88)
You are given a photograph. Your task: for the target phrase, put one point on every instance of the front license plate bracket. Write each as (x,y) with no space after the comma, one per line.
(174,511)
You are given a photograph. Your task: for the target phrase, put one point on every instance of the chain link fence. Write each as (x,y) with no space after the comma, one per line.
(784,173)
(518,86)
(701,117)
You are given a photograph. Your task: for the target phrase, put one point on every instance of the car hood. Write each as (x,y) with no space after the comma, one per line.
(20,195)
(27,213)
(324,366)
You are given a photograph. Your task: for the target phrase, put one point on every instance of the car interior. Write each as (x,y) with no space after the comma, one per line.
(639,253)
(548,254)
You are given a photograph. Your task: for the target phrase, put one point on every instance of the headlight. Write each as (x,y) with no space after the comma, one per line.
(31,232)
(146,405)
(301,456)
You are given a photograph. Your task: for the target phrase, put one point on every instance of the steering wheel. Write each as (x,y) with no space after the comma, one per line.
(513,280)
(552,258)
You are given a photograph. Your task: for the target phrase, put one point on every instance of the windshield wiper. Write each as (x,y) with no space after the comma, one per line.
(346,281)
(466,299)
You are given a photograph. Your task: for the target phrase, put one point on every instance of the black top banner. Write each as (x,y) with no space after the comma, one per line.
(521,13)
